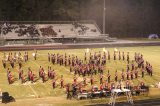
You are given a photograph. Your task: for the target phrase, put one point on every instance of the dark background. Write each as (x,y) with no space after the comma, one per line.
(124,18)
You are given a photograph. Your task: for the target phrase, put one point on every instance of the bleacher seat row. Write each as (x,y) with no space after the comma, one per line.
(48,30)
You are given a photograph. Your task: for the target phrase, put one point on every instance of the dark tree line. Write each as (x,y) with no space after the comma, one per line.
(124,18)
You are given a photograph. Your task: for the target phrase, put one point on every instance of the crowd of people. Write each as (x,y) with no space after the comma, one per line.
(20,29)
(82,27)
(30,31)
(5,28)
(13,59)
(48,31)
(33,30)
(93,64)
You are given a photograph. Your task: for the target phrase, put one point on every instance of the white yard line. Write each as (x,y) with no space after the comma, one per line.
(35,63)
(156,75)
(42,54)
(57,83)
(66,69)
(33,90)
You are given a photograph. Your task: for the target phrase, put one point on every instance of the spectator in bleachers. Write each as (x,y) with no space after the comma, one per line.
(48,31)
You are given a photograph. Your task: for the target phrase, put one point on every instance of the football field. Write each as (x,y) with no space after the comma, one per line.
(39,89)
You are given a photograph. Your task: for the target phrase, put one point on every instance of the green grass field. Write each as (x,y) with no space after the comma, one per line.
(39,89)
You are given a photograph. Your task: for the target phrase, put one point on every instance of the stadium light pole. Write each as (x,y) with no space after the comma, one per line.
(104,16)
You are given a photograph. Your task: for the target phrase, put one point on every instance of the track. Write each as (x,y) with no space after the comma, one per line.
(119,43)
(149,102)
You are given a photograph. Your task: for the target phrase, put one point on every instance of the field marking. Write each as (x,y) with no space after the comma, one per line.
(67,69)
(156,75)
(33,90)
(49,83)
(35,63)
(41,54)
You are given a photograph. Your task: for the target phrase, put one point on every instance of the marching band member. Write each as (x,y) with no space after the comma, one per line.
(133,66)
(114,55)
(142,72)
(12,63)
(131,73)
(84,80)
(123,56)
(43,76)
(85,56)
(10,77)
(91,80)
(53,74)
(80,87)
(23,79)
(101,78)
(49,72)
(108,55)
(20,73)
(4,63)
(142,85)
(54,83)
(74,79)
(128,84)
(62,82)
(108,76)
(20,63)
(127,74)
(35,55)
(101,87)
(68,91)
(116,76)
(128,57)
(136,73)
(40,71)
(123,75)
(119,53)
(49,57)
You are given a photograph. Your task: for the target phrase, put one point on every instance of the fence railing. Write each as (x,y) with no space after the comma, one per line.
(47,22)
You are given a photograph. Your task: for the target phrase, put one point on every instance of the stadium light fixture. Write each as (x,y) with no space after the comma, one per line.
(104,16)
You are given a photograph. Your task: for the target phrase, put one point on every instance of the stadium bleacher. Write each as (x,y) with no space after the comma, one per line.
(45,32)
(72,29)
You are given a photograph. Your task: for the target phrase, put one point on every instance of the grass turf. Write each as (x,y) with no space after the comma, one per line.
(39,89)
